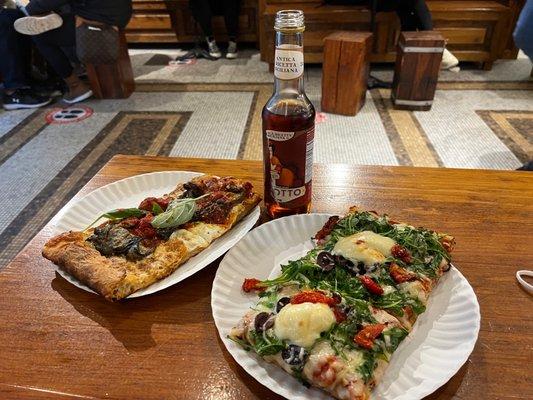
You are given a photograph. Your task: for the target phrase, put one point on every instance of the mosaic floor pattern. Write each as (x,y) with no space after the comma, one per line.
(213,110)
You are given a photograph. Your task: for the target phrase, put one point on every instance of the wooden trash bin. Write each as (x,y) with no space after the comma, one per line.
(416,73)
(345,71)
(113,81)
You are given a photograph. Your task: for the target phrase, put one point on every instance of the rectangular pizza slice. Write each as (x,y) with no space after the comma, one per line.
(334,317)
(138,246)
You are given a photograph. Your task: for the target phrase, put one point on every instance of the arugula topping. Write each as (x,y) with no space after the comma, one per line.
(179,211)
(266,343)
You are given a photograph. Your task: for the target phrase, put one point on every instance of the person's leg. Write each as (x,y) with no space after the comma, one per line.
(202,15)
(50,45)
(15,48)
(201,11)
(523,34)
(15,65)
(231,18)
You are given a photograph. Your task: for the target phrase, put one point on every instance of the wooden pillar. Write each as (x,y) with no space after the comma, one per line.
(418,59)
(345,71)
(113,81)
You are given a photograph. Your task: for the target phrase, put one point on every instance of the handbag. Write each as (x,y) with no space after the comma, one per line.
(97,43)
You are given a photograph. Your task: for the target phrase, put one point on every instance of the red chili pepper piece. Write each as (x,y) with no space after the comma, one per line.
(366,336)
(252,284)
(312,296)
(371,285)
(327,228)
(402,253)
(401,275)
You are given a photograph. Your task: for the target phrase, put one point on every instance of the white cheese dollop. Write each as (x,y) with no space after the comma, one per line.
(302,324)
(367,247)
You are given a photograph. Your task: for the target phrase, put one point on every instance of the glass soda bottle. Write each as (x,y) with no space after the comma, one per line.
(288,124)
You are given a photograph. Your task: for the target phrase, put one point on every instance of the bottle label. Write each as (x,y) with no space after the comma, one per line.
(288,63)
(291,163)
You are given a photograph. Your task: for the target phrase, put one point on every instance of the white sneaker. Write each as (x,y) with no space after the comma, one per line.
(449,61)
(231,54)
(38,24)
(214,51)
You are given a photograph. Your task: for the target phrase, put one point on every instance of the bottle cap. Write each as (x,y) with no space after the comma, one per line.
(289,21)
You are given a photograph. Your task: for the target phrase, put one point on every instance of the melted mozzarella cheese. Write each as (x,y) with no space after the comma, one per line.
(367,247)
(416,290)
(302,324)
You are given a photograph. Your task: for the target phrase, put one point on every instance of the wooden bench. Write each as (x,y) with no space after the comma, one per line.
(114,81)
(476,30)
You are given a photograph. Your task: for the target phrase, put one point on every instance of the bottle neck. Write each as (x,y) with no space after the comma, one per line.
(289,63)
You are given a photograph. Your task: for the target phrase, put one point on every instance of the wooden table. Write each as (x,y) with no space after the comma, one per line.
(59,341)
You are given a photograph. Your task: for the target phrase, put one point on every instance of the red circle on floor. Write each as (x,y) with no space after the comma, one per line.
(68,115)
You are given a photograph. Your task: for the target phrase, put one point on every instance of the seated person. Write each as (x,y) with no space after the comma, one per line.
(203,10)
(15,65)
(523,33)
(51,43)
(415,16)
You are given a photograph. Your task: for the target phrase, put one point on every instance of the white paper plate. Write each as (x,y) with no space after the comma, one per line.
(440,343)
(130,192)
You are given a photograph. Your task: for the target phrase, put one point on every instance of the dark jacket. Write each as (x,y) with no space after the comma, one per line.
(111,12)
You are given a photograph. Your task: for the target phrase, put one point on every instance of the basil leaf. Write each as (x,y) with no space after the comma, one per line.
(179,212)
(156,209)
(120,213)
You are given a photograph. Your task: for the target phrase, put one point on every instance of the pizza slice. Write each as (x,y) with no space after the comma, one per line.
(334,317)
(138,246)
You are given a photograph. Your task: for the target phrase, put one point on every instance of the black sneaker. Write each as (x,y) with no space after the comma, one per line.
(24,98)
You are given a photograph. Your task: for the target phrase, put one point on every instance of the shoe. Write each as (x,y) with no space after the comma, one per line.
(39,24)
(449,61)
(214,51)
(231,54)
(50,88)
(77,93)
(24,98)
(375,83)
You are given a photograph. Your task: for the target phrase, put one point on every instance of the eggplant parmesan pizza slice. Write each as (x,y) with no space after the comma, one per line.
(136,247)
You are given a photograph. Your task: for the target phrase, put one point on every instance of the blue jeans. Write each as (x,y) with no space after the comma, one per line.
(523,33)
(15,51)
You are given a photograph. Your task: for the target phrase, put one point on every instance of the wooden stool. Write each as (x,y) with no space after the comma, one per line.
(113,81)
(416,73)
(345,71)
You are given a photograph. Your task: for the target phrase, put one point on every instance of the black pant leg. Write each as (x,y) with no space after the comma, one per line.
(231,17)
(414,14)
(201,11)
(14,50)
(425,23)
(50,45)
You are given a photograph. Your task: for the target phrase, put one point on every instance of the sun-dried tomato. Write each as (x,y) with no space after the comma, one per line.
(402,253)
(252,285)
(327,228)
(366,336)
(312,296)
(148,203)
(370,285)
(145,229)
(401,275)
(340,315)
(448,243)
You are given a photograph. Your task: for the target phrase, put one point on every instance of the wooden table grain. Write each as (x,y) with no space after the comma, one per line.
(57,341)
